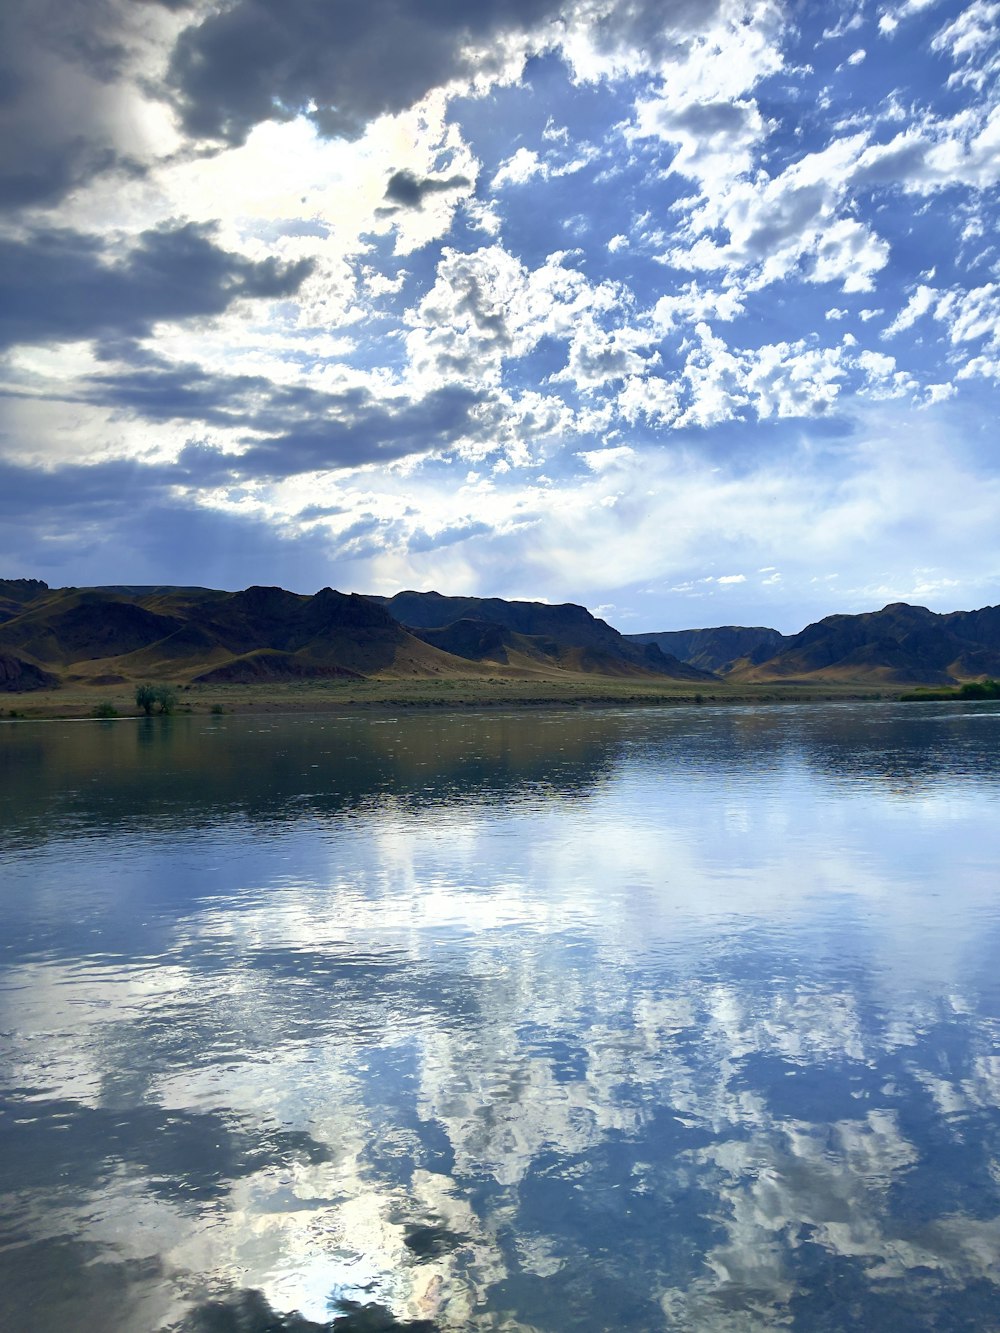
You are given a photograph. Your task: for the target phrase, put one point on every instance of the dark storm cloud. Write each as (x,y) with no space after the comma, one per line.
(375,434)
(408,190)
(85,525)
(53,171)
(64,65)
(341,62)
(317,432)
(59,61)
(304,429)
(658,28)
(160,391)
(59,285)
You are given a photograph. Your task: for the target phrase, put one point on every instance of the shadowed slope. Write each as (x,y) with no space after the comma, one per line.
(900,644)
(257,634)
(564,637)
(716,649)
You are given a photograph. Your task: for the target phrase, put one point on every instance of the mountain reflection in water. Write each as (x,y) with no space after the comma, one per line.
(680,1019)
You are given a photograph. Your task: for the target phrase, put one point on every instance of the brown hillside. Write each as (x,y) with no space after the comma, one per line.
(900,645)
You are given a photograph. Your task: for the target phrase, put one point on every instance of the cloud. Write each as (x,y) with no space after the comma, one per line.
(77,523)
(282,430)
(369,431)
(69,108)
(776,380)
(791,223)
(410,191)
(918,305)
(519,168)
(487,307)
(59,285)
(338,63)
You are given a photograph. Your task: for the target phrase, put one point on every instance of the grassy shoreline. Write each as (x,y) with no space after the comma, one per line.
(81,701)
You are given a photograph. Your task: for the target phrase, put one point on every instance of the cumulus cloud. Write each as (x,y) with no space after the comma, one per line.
(793,222)
(410,191)
(270,245)
(71,107)
(486,307)
(339,64)
(918,305)
(60,285)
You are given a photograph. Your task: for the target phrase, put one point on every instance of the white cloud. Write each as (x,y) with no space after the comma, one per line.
(939,393)
(715,141)
(486,307)
(600,460)
(883,379)
(692,304)
(776,380)
(970,41)
(846,23)
(788,223)
(972,315)
(891,17)
(597,355)
(918,305)
(652,399)
(519,168)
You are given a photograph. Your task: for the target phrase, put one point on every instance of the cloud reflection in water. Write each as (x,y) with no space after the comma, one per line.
(633,1021)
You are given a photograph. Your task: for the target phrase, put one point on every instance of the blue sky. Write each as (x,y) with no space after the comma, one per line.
(685,311)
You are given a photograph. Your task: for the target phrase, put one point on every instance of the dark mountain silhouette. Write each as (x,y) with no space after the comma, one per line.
(901,644)
(115,634)
(100,634)
(716,649)
(15,594)
(567,636)
(16,674)
(110,635)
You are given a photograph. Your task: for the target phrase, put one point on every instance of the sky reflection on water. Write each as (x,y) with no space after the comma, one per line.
(656,1019)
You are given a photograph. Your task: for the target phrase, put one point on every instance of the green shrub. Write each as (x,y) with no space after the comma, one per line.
(161,698)
(104,710)
(980,689)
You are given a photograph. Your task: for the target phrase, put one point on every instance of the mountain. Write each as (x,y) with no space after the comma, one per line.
(716,649)
(15,594)
(531,635)
(110,635)
(105,636)
(901,644)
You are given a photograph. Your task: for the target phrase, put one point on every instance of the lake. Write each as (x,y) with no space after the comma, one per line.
(665,1018)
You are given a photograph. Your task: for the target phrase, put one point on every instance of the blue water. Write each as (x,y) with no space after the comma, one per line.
(680,1019)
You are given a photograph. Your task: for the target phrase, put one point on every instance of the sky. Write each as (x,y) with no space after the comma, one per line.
(684,310)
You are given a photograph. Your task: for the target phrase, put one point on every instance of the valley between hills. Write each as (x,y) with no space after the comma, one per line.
(80,651)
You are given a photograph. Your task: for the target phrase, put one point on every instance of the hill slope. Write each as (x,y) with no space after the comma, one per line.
(901,644)
(716,649)
(531,634)
(106,636)
(111,635)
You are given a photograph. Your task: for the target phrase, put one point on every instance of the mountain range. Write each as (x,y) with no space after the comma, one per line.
(899,645)
(115,634)
(110,635)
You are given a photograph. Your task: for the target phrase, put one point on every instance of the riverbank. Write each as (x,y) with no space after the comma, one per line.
(83,701)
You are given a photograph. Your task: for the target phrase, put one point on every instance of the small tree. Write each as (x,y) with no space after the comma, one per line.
(162,698)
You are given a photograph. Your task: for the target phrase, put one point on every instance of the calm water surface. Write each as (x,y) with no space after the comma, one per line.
(659,1019)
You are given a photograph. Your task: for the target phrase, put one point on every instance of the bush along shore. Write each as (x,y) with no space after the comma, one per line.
(972,689)
(119,702)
